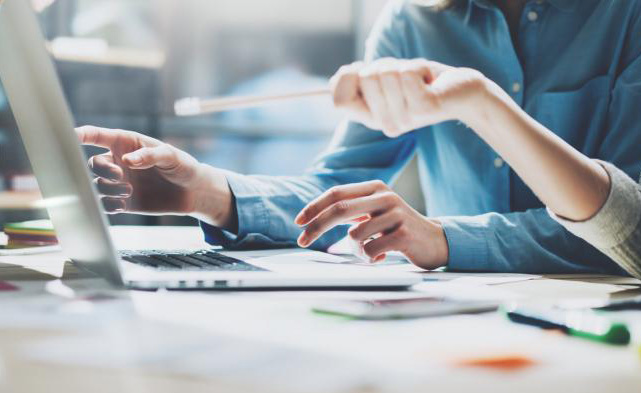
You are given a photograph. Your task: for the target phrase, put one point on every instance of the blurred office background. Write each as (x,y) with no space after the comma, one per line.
(123,63)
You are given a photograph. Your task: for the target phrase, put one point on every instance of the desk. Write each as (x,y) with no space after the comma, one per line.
(269,341)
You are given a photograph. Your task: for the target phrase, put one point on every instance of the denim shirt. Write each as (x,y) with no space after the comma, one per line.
(576,69)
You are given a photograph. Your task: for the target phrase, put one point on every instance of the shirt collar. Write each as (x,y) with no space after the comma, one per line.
(563,5)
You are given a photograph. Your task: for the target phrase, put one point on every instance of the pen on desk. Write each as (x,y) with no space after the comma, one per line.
(196,106)
(584,324)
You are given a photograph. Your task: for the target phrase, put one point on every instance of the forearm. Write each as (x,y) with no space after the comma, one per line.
(569,183)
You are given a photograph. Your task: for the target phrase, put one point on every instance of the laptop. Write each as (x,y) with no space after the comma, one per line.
(47,129)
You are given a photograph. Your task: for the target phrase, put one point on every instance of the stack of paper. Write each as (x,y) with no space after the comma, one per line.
(30,234)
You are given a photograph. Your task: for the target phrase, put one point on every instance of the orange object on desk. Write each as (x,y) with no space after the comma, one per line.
(499,362)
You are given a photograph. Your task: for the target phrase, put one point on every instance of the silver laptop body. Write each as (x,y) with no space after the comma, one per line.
(47,129)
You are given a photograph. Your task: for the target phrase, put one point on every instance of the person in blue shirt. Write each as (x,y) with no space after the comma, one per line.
(570,66)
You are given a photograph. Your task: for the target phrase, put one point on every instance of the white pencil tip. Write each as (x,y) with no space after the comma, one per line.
(187,107)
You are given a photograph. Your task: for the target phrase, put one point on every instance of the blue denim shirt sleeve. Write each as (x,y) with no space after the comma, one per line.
(267,205)
(525,242)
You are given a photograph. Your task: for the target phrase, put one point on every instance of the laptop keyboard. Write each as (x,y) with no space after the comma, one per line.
(188,260)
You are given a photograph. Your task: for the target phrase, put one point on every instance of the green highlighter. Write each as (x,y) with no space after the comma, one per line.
(579,323)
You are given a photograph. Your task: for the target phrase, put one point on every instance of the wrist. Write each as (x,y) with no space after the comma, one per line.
(213,200)
(440,245)
(487,100)
(432,248)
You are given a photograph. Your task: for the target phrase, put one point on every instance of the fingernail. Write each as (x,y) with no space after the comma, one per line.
(302,240)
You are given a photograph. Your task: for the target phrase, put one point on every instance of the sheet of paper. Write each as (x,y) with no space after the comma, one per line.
(597,278)
(318,256)
(30,251)
(322,257)
(479,278)
(466,278)
(556,290)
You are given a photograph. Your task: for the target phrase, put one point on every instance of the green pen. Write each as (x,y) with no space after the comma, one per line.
(579,323)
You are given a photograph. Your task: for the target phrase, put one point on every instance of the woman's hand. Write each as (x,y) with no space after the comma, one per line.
(397,96)
(139,174)
(385,222)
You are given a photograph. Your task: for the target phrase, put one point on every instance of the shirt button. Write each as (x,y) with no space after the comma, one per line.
(516,87)
(498,162)
(532,16)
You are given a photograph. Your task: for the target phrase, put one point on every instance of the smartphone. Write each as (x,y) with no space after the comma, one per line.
(415,307)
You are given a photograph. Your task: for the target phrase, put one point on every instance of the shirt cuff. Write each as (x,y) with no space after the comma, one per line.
(618,217)
(467,242)
(252,215)
(218,237)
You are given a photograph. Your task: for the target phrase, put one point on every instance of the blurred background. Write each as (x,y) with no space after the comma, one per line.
(123,63)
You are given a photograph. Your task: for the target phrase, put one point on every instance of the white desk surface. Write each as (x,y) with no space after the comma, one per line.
(270,341)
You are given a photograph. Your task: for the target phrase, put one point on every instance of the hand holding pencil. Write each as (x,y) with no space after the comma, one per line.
(395,96)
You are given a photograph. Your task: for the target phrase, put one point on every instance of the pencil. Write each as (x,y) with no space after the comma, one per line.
(195,106)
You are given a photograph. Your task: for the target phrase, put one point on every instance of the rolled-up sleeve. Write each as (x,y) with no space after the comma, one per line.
(616,228)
